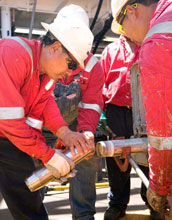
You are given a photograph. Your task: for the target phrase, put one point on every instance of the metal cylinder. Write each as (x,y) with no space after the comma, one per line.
(43,176)
(116,147)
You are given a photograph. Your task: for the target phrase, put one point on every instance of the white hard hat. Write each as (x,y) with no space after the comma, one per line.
(71,28)
(116,6)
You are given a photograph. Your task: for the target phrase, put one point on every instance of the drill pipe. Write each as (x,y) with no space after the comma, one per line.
(115,148)
(43,176)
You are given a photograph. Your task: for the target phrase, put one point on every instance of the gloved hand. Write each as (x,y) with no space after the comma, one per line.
(64,179)
(158,202)
(59,165)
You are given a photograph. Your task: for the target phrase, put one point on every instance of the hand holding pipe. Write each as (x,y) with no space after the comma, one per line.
(43,176)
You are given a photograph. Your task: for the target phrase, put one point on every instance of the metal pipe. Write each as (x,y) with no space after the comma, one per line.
(116,147)
(5,22)
(61,188)
(43,176)
(138,170)
(32,19)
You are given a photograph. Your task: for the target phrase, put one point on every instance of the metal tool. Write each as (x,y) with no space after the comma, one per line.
(116,148)
(138,170)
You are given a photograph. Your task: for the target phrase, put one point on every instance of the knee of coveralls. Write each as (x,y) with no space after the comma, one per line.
(160,165)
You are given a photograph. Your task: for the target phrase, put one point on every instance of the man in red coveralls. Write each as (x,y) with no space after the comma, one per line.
(82,193)
(28,71)
(149,23)
(80,101)
(117,59)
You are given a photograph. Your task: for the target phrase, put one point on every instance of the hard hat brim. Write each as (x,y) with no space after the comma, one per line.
(60,38)
(115,13)
(115,27)
(116,10)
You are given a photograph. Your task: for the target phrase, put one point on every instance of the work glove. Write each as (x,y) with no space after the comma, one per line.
(158,202)
(64,179)
(60,165)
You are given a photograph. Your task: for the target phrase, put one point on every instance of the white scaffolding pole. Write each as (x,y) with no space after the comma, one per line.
(5,21)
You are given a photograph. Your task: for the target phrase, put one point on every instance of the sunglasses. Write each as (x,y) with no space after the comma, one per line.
(72,65)
(121,17)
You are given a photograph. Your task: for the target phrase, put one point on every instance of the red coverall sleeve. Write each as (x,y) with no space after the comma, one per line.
(88,118)
(156,81)
(15,70)
(52,116)
(105,62)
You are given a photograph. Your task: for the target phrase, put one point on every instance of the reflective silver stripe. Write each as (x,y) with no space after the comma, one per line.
(49,84)
(160,143)
(164,27)
(90,106)
(11,112)
(26,46)
(35,123)
(91,63)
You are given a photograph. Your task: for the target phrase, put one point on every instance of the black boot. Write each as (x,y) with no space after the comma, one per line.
(114,213)
(156,215)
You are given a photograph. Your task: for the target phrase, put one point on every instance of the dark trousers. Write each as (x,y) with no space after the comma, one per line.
(82,192)
(119,119)
(15,166)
